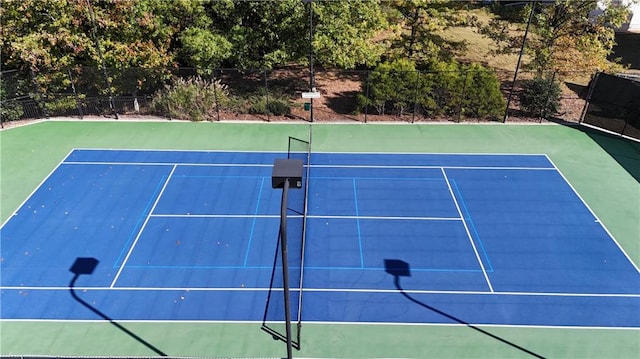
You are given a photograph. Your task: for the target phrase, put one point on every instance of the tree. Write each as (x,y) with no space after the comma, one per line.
(39,35)
(565,35)
(203,49)
(264,34)
(482,96)
(345,32)
(420,26)
(395,83)
(541,97)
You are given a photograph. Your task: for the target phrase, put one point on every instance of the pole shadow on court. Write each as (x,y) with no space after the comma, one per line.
(399,268)
(84,265)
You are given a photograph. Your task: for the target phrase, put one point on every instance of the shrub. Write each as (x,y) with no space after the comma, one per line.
(276,106)
(397,84)
(279,107)
(61,105)
(192,99)
(10,110)
(446,82)
(444,88)
(541,97)
(482,95)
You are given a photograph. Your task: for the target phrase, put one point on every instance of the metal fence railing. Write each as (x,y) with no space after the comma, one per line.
(471,93)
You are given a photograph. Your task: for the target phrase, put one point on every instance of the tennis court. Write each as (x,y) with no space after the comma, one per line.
(464,239)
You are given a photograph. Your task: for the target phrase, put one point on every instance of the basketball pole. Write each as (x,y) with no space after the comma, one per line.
(285,267)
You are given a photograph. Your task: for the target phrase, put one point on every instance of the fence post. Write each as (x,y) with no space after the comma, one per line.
(462,95)
(39,95)
(546,102)
(592,85)
(366,102)
(266,94)
(415,96)
(75,93)
(215,94)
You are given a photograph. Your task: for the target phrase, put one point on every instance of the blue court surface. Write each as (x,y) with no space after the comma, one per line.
(390,238)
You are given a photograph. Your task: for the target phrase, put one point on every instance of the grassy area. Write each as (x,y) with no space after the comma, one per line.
(479,47)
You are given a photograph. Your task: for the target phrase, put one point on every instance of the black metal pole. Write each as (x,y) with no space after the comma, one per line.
(75,93)
(515,75)
(285,267)
(312,82)
(366,104)
(592,85)
(266,94)
(215,95)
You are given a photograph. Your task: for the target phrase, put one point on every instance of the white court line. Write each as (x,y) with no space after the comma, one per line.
(169,164)
(178,150)
(388,218)
(133,245)
(435,167)
(479,325)
(311,323)
(400,218)
(218,216)
(331,290)
(55,168)
(466,228)
(195,164)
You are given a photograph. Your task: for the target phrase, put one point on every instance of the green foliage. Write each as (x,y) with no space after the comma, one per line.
(482,95)
(541,97)
(344,33)
(278,106)
(9,110)
(397,84)
(193,99)
(203,49)
(446,88)
(266,33)
(421,25)
(447,83)
(564,35)
(61,105)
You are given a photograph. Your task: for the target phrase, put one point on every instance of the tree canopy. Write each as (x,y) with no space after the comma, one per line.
(55,34)
(564,35)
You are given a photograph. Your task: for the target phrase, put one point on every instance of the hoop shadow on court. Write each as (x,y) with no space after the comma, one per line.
(399,268)
(86,265)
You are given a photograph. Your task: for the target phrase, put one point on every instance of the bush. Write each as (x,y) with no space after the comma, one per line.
(444,88)
(278,106)
(10,110)
(193,99)
(482,95)
(61,105)
(541,97)
(396,84)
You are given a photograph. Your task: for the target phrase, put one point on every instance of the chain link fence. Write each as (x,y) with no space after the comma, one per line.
(565,105)
(472,93)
